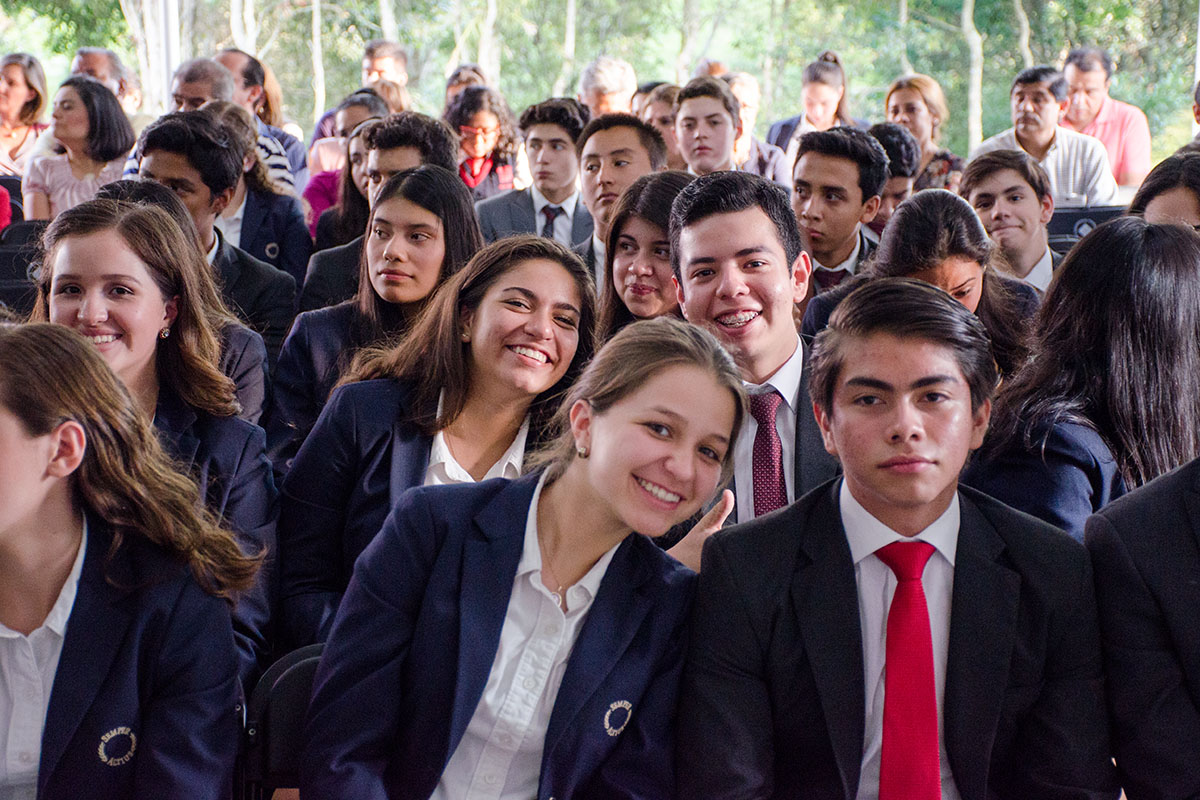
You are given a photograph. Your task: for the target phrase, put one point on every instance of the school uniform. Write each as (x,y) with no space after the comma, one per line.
(781,694)
(145,693)
(309,365)
(262,296)
(244,361)
(521,211)
(273,230)
(1067,476)
(227,457)
(417,638)
(332,276)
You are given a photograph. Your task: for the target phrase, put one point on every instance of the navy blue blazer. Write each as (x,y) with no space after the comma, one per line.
(1065,479)
(227,457)
(511,212)
(772,703)
(415,639)
(309,364)
(1146,555)
(362,454)
(332,276)
(244,361)
(144,702)
(262,296)
(274,231)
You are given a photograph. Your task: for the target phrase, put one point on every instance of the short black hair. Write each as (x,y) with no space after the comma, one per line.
(431,137)
(717,89)
(366,98)
(649,86)
(907,309)
(109,133)
(253,73)
(1056,84)
(903,152)
(1086,59)
(728,193)
(854,145)
(565,112)
(649,137)
(199,138)
(1179,171)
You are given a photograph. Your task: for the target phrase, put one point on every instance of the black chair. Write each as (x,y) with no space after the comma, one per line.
(23,234)
(1069,225)
(275,722)
(17,289)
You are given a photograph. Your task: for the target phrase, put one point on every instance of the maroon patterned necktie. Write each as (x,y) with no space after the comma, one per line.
(551,213)
(770,490)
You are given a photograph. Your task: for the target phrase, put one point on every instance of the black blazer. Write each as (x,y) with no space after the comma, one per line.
(263,297)
(769,161)
(244,361)
(780,133)
(332,276)
(512,212)
(274,231)
(1146,554)
(149,671)
(309,365)
(227,457)
(772,702)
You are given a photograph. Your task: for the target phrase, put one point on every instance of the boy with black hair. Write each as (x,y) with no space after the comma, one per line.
(707,123)
(904,162)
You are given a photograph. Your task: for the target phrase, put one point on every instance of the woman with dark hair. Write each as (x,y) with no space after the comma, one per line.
(421,231)
(488,140)
(93,136)
(1171,192)
(823,91)
(126,277)
(1110,396)
(22,99)
(115,586)
(459,399)
(637,275)
(346,220)
(935,236)
(527,634)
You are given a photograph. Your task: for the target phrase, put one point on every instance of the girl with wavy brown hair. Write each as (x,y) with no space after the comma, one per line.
(119,274)
(115,585)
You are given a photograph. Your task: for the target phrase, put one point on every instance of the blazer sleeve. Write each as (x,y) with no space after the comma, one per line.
(294,406)
(316,494)
(725,698)
(347,751)
(190,726)
(244,361)
(1155,719)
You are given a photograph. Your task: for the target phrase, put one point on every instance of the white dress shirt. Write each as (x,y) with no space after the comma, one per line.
(786,381)
(500,755)
(876,585)
(231,226)
(600,251)
(564,223)
(27,668)
(851,262)
(1077,165)
(444,468)
(1042,273)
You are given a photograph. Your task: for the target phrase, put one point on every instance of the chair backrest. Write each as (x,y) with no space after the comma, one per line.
(275,723)
(18,292)
(13,184)
(1069,225)
(23,233)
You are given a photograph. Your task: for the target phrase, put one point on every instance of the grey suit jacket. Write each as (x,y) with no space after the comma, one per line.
(512,212)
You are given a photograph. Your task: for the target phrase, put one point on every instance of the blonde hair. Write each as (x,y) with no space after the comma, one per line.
(930,91)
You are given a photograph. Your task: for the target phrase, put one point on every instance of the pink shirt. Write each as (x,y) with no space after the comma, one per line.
(1125,133)
(52,176)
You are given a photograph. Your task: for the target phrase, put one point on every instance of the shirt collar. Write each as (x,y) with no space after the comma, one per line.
(211,255)
(239,212)
(1043,271)
(540,202)
(786,379)
(866,534)
(508,466)
(851,261)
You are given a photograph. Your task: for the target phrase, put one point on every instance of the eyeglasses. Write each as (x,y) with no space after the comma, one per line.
(467,132)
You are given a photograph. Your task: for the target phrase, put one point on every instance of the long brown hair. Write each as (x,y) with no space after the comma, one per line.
(188,360)
(50,374)
(432,356)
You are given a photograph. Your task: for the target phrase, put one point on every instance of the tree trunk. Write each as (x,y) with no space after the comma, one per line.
(243,25)
(688,31)
(902,23)
(975,81)
(568,59)
(318,63)
(387,21)
(489,49)
(1023,33)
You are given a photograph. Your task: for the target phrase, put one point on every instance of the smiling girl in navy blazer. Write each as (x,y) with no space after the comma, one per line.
(125,276)
(120,669)
(422,222)
(459,399)
(518,638)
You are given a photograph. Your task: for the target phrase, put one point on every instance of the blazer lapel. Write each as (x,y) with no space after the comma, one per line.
(983,617)
(173,419)
(410,456)
(582,226)
(491,554)
(521,209)
(95,631)
(614,618)
(825,599)
(813,465)
(253,216)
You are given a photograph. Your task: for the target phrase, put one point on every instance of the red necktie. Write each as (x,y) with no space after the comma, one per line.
(828,278)
(770,490)
(908,766)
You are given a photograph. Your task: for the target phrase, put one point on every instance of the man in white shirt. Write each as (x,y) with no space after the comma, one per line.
(739,270)
(1011,194)
(1077,164)
(892,635)
(550,129)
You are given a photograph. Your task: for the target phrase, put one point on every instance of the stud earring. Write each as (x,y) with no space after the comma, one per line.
(164,333)
(582,451)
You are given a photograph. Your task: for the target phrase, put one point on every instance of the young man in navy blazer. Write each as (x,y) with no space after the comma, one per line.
(550,129)
(739,270)
(1145,547)
(892,635)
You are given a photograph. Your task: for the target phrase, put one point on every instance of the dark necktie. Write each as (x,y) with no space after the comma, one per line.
(770,489)
(908,765)
(828,278)
(551,213)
